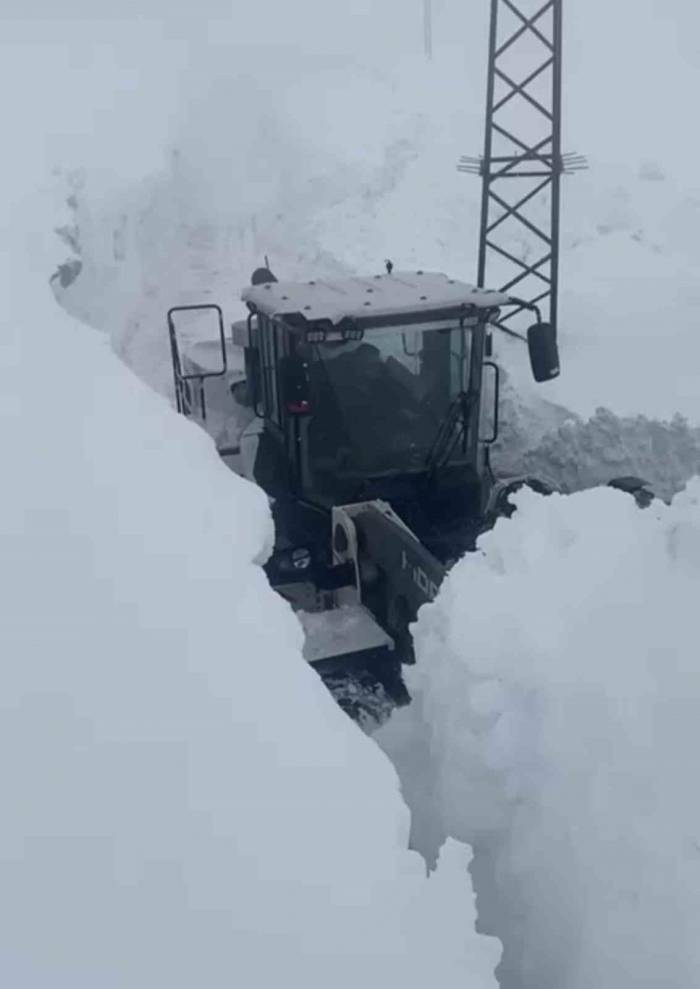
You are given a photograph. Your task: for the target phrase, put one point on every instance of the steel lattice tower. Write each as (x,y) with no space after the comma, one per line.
(522,163)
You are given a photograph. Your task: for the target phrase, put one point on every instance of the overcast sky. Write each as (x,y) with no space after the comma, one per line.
(104,82)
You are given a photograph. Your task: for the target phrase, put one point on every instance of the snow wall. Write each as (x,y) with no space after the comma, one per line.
(554,726)
(183,802)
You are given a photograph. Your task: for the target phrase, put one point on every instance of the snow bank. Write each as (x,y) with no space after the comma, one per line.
(541,439)
(183,802)
(583,455)
(556,717)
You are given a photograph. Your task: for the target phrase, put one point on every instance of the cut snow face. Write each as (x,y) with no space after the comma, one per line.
(183,802)
(553,732)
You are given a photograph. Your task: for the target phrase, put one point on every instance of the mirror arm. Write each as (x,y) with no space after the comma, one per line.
(530,306)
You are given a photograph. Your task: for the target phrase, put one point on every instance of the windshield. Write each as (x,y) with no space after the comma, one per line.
(377,404)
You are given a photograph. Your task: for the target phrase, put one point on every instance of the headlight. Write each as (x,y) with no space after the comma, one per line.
(294,560)
(301,559)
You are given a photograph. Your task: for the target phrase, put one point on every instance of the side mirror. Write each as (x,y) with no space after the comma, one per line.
(544,353)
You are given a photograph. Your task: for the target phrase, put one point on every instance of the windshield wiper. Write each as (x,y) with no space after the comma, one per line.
(451,431)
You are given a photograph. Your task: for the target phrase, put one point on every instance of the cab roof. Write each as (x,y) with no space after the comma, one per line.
(373,296)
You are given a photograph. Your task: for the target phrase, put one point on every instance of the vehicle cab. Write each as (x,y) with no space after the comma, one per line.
(361,389)
(371,385)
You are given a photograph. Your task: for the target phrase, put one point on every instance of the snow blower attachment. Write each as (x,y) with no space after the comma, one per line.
(366,409)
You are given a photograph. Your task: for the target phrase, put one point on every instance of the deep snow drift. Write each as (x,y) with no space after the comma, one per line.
(541,439)
(183,802)
(327,166)
(556,733)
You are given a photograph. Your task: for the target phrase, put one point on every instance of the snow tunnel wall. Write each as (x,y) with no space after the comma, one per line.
(183,802)
(558,702)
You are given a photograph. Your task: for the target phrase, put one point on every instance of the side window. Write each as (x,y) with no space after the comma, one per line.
(269,353)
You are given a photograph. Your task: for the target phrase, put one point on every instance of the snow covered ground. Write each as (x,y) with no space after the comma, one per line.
(170,817)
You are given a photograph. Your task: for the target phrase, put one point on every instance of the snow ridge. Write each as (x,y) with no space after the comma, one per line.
(555,734)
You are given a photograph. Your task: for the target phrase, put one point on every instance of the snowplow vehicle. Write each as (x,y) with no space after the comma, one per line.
(367,408)
(371,407)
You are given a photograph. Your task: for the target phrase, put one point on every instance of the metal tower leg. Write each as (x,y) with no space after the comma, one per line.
(519,229)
